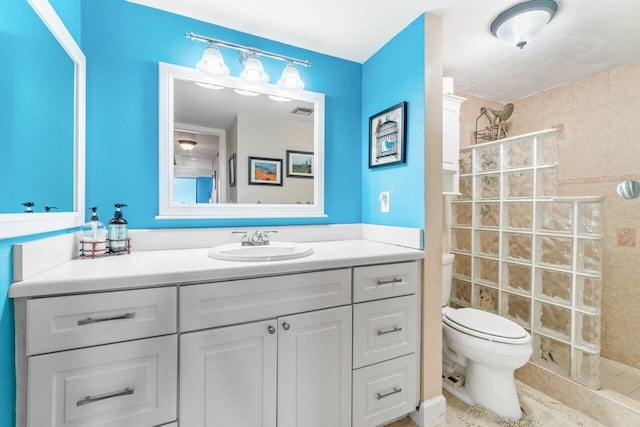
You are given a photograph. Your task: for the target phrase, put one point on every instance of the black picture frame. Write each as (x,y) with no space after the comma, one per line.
(388,137)
(232,170)
(300,164)
(265,171)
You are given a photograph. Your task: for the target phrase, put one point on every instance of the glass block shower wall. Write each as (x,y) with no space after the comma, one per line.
(528,255)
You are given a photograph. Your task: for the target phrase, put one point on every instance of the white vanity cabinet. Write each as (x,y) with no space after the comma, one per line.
(335,345)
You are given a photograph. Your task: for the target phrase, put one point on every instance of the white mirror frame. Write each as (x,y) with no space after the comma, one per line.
(168,209)
(13,225)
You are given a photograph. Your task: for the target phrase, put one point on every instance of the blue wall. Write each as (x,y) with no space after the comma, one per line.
(124,42)
(394,74)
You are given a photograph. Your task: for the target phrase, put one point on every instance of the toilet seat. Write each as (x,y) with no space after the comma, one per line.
(485,325)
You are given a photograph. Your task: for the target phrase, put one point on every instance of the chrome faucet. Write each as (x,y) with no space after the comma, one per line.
(259,238)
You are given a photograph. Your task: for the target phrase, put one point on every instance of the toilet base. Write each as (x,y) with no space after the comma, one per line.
(492,389)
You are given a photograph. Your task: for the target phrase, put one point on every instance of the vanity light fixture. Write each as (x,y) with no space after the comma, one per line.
(187,144)
(212,63)
(522,22)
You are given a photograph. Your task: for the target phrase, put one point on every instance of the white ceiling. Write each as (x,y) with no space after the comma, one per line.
(586,36)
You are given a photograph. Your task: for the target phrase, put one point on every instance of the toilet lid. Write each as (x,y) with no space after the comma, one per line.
(485,325)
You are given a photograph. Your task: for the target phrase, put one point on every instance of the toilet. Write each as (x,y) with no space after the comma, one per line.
(480,351)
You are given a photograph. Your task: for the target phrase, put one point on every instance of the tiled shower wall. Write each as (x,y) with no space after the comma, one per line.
(527,255)
(598,118)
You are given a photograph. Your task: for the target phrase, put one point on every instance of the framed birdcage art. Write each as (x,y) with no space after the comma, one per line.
(387,136)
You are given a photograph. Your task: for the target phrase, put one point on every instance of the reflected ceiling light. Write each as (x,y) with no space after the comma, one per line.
(209,86)
(278,98)
(246,92)
(253,72)
(290,79)
(522,22)
(187,144)
(212,62)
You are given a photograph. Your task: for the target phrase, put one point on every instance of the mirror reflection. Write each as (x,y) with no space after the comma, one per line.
(36,115)
(241,148)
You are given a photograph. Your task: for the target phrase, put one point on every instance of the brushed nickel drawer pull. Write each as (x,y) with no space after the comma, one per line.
(387,282)
(98,397)
(90,320)
(390,331)
(396,390)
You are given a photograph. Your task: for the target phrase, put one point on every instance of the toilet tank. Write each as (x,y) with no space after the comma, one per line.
(447,273)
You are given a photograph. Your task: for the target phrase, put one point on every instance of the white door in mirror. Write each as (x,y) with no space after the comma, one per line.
(274,251)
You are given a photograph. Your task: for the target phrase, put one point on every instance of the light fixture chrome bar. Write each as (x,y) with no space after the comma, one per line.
(199,37)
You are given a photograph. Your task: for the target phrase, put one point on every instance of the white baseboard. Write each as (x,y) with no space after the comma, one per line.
(431,412)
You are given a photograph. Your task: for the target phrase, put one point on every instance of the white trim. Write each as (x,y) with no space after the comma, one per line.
(167,209)
(12,225)
(431,412)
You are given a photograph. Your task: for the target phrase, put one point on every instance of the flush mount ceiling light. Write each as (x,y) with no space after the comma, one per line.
(522,22)
(212,63)
(187,144)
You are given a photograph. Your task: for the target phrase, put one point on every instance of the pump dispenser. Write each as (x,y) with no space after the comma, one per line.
(94,236)
(118,233)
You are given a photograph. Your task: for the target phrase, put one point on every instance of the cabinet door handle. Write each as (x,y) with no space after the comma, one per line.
(396,390)
(389,331)
(98,397)
(90,320)
(271,329)
(286,326)
(387,282)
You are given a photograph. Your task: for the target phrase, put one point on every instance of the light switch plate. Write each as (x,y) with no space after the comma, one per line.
(384,201)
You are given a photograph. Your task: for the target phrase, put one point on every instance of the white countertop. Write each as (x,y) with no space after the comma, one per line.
(166,267)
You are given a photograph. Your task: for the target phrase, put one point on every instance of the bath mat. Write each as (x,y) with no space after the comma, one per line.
(539,410)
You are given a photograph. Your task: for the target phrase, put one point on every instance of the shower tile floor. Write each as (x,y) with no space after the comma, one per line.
(620,378)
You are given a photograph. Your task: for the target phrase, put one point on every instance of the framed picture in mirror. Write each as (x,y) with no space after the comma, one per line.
(387,136)
(265,171)
(232,170)
(299,164)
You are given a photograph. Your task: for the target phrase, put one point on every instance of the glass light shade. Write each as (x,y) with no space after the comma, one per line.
(290,79)
(187,144)
(519,24)
(212,63)
(254,70)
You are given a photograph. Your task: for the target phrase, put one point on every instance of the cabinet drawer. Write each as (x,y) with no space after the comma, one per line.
(385,281)
(75,321)
(116,385)
(225,303)
(384,329)
(384,392)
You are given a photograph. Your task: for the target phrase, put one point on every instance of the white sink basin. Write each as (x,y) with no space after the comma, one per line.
(274,251)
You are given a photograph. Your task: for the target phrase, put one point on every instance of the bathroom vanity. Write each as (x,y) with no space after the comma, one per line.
(173,337)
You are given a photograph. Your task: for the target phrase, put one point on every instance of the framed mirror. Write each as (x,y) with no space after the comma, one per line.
(43,109)
(227,149)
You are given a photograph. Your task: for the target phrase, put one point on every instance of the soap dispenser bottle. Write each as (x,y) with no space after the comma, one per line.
(118,233)
(94,237)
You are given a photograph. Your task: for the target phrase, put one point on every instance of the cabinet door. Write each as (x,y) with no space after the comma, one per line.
(314,369)
(228,376)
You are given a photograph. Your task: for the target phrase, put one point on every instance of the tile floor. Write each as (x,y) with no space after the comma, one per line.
(619,378)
